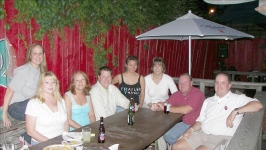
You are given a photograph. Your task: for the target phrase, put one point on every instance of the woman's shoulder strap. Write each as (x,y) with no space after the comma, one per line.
(122,77)
(71,97)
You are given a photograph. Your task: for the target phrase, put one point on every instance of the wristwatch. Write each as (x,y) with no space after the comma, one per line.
(237,111)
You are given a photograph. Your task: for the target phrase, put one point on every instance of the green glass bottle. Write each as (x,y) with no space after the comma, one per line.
(131,112)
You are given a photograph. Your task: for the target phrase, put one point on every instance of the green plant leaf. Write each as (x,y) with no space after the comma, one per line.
(96,17)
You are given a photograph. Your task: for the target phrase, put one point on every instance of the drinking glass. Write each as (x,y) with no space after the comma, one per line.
(86,135)
(165,107)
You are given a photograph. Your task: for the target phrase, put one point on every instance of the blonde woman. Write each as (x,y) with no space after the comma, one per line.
(46,113)
(23,84)
(78,101)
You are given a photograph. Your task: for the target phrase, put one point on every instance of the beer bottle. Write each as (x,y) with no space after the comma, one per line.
(101,135)
(132,104)
(130,116)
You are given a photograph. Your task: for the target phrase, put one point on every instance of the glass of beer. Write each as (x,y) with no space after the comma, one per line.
(86,135)
(165,107)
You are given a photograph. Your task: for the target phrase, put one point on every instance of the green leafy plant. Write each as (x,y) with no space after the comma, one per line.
(2,10)
(22,37)
(100,54)
(96,17)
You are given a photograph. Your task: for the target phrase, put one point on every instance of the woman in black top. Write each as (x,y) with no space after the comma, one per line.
(131,84)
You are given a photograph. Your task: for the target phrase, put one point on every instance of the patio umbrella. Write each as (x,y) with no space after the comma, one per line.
(190,27)
(262,7)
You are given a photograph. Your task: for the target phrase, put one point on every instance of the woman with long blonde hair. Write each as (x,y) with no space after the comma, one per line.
(23,84)
(46,113)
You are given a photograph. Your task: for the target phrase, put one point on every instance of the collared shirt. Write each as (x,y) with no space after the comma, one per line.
(194,98)
(105,101)
(215,111)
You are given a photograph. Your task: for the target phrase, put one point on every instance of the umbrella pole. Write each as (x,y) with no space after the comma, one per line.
(189,55)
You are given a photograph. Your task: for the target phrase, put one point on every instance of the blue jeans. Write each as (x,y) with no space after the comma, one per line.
(175,132)
(17,110)
(119,109)
(26,137)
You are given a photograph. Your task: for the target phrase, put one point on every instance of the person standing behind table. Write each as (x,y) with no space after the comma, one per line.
(157,84)
(219,117)
(188,101)
(105,96)
(78,101)
(131,84)
(23,84)
(46,113)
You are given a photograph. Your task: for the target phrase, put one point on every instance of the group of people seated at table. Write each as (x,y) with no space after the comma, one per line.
(33,95)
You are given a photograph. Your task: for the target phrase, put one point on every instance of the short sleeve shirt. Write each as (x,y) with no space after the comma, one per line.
(194,98)
(155,93)
(48,123)
(24,82)
(215,111)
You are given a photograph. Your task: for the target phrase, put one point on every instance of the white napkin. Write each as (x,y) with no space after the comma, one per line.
(75,136)
(114,147)
(79,147)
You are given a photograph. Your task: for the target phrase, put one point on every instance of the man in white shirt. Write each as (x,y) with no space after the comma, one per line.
(219,117)
(105,96)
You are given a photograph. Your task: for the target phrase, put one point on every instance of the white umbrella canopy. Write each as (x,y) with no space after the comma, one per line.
(262,7)
(190,27)
(227,2)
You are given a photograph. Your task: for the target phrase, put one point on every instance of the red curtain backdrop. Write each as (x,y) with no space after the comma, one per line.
(71,54)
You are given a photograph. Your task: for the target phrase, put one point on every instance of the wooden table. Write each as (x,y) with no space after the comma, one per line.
(148,127)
